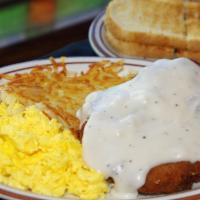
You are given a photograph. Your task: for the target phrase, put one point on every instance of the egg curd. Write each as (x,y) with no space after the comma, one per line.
(38,155)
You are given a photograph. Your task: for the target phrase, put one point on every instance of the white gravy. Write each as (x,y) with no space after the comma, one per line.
(149,120)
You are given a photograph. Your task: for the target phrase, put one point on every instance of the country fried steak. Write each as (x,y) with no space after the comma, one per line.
(171,178)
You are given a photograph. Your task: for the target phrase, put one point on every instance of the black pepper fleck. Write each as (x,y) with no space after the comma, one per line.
(156,102)
(187,130)
(108,165)
(116,173)
(176,105)
(144,137)
(130,161)
(174,94)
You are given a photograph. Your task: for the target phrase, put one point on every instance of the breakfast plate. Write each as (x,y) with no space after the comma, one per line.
(98,41)
(77,65)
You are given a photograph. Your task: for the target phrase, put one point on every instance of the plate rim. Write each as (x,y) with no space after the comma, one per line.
(24,195)
(99,44)
(96,38)
(71,60)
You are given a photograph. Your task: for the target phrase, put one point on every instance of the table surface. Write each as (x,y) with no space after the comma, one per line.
(77,49)
(26,34)
(44,45)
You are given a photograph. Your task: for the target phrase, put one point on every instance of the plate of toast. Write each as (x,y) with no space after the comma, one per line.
(148,29)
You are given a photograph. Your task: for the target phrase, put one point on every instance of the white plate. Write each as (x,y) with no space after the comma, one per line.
(99,43)
(77,65)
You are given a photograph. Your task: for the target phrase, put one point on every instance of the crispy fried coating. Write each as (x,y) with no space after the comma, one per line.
(167,178)
(171,178)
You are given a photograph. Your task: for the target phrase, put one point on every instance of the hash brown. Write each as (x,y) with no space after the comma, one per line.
(58,92)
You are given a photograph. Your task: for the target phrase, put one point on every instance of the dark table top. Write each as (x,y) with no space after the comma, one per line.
(77,49)
(44,45)
(25,34)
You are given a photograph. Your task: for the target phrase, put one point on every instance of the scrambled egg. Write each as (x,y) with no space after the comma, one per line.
(38,155)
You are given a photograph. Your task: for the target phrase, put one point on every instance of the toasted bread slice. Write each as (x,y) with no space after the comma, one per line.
(154,22)
(192,9)
(148,51)
(193,25)
(137,49)
(193,34)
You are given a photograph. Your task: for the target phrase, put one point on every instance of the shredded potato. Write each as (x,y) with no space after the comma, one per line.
(59,93)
